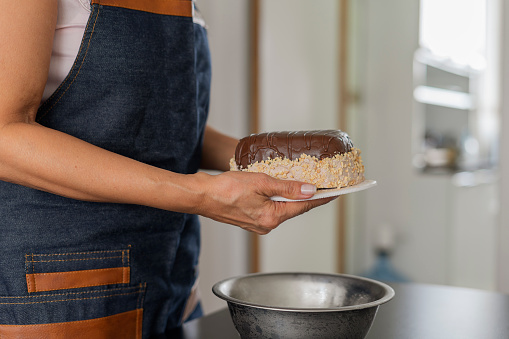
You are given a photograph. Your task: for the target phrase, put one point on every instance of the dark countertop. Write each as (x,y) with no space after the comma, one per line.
(417,311)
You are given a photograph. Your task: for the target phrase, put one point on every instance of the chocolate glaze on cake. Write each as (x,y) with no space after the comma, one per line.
(291,145)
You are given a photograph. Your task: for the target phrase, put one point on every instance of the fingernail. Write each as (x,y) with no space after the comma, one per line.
(308,189)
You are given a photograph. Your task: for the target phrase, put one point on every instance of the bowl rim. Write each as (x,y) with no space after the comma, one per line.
(389,292)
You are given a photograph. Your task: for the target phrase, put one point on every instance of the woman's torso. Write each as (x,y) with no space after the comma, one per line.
(71,22)
(137,84)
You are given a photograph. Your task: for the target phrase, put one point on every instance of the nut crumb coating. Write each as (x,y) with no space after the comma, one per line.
(341,170)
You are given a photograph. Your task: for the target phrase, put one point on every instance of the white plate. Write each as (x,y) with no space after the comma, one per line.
(332,192)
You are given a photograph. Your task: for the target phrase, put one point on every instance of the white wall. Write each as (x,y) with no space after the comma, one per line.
(299,89)
(385,37)
(225,248)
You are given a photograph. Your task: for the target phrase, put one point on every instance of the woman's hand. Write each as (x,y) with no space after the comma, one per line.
(243,199)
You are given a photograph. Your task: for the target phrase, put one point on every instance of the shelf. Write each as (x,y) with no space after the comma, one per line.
(443,97)
(447,65)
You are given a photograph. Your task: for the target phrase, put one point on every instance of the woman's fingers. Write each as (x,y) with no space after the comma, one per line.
(288,189)
(283,211)
(288,210)
(243,199)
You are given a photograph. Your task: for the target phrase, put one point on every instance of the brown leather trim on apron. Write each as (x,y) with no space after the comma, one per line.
(165,7)
(125,325)
(38,282)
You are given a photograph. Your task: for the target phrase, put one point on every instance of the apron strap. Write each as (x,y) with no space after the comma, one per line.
(164,7)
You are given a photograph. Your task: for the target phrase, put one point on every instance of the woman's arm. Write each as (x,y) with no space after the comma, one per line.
(38,157)
(218,149)
(46,159)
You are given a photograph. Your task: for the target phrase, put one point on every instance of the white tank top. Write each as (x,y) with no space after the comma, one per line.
(71,22)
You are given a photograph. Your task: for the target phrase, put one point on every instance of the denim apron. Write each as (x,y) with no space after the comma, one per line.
(139,87)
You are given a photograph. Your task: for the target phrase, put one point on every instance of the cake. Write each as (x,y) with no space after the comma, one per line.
(325,158)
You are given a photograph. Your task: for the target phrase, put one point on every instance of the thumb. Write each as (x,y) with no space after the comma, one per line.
(293,189)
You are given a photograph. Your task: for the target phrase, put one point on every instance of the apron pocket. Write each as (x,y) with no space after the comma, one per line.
(75,294)
(60,271)
(90,313)
(125,325)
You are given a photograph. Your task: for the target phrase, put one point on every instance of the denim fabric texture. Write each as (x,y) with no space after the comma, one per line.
(139,87)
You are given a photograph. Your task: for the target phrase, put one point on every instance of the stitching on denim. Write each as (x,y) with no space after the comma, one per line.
(33,271)
(29,258)
(144,290)
(80,286)
(141,297)
(79,69)
(54,301)
(76,253)
(26,270)
(29,285)
(74,63)
(72,293)
(82,259)
(87,320)
(67,272)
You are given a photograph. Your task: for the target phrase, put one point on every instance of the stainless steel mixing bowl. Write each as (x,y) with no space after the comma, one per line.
(302,305)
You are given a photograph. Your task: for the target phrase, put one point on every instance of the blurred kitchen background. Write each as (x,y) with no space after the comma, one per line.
(420,86)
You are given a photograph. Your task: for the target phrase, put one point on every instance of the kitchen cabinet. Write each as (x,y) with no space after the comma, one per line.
(451,235)
(474,230)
